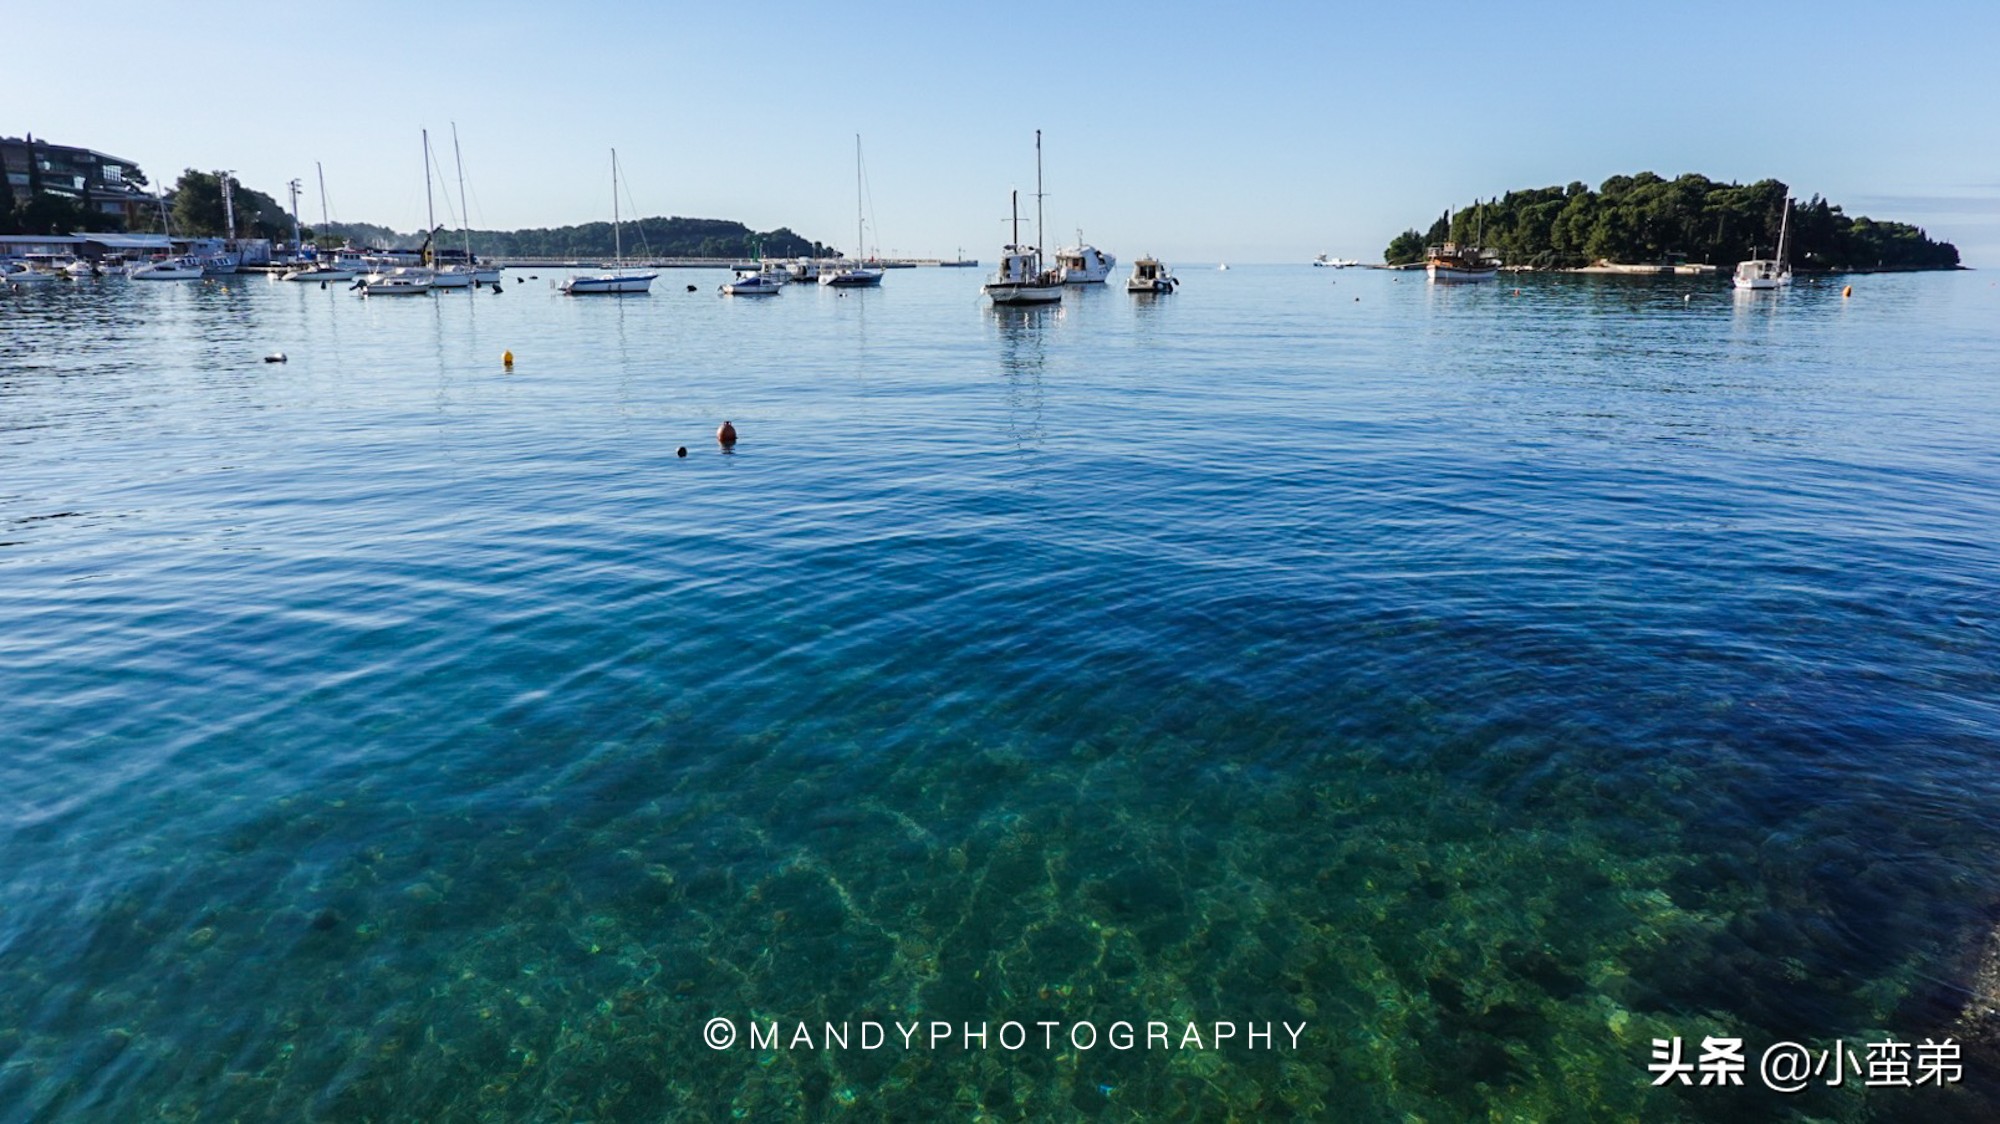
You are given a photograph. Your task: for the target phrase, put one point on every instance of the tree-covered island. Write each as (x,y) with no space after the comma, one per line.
(1645,219)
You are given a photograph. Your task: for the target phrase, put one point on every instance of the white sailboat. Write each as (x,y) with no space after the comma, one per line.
(409,281)
(618,280)
(327,268)
(843,275)
(1769,273)
(173,269)
(1021,278)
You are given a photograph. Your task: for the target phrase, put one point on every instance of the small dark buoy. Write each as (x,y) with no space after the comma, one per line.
(726,435)
(682,451)
(275,357)
(495,287)
(691,288)
(322,285)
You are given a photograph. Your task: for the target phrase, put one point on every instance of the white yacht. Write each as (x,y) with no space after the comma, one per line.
(173,269)
(402,281)
(1083,263)
(1768,273)
(1150,275)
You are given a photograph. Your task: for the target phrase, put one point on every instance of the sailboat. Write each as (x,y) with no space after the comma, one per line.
(327,268)
(616,281)
(1021,278)
(857,275)
(408,280)
(1769,273)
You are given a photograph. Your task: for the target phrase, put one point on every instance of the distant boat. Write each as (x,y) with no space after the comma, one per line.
(1150,276)
(616,281)
(1451,263)
(1222,265)
(402,281)
(1083,263)
(176,269)
(756,281)
(328,268)
(1021,278)
(1333,263)
(1768,273)
(842,275)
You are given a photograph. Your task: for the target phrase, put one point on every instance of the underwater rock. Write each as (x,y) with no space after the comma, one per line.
(1980,1020)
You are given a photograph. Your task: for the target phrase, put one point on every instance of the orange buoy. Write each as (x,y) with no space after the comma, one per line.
(507,359)
(726,435)
(1847,292)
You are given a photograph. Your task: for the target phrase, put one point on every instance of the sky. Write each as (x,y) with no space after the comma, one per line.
(1193,131)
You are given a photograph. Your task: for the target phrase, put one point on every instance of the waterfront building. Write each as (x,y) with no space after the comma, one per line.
(104,183)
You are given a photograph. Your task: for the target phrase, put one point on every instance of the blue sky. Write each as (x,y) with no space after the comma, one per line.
(1194,131)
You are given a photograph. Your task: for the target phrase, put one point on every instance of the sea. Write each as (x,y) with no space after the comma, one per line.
(1310,695)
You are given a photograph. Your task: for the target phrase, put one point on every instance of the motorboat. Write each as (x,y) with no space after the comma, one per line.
(1149,275)
(618,280)
(755,281)
(173,269)
(29,275)
(320,273)
(1768,273)
(1333,263)
(1083,263)
(402,281)
(80,269)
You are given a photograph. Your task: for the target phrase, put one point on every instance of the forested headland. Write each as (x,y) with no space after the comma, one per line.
(658,237)
(1646,218)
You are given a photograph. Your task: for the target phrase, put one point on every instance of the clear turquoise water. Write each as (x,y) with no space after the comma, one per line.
(1493,681)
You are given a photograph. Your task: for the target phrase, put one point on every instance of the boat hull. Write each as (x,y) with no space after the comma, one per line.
(590,286)
(320,275)
(1018,293)
(1459,274)
(851,278)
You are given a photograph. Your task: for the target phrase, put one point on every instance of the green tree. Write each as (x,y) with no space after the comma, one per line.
(1405,248)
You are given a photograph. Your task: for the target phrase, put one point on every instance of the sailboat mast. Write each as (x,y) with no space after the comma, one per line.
(860,247)
(617,242)
(464,215)
(1038,201)
(323,221)
(430,213)
(1784,227)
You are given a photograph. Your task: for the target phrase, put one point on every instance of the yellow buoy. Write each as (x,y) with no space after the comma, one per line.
(507,359)
(1847,292)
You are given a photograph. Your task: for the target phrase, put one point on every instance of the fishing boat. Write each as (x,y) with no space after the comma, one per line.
(1333,263)
(1149,275)
(1021,278)
(856,274)
(1769,273)
(1083,263)
(1450,262)
(617,280)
